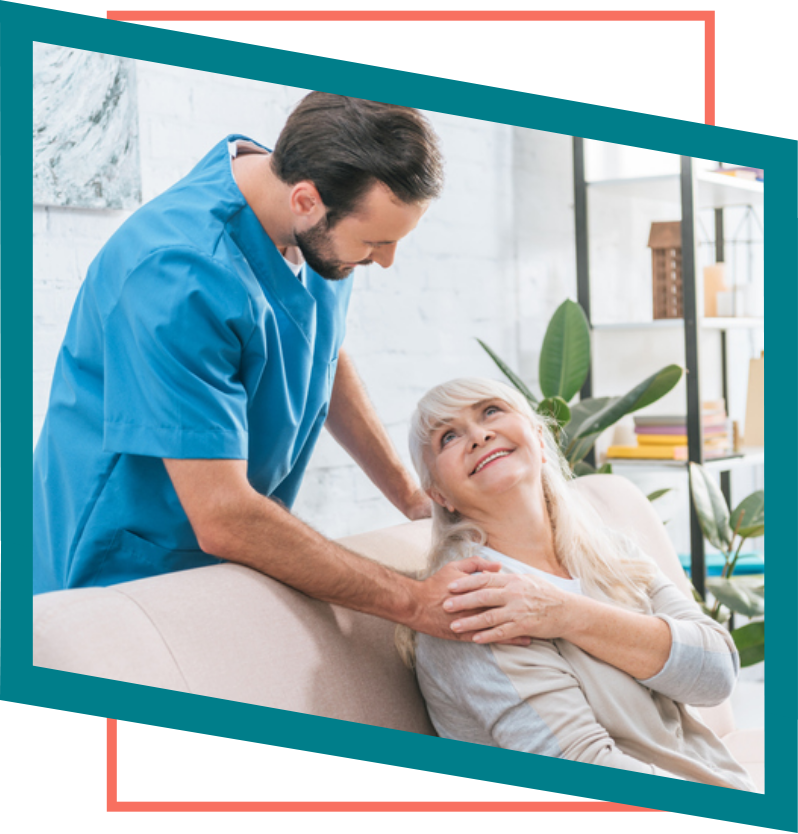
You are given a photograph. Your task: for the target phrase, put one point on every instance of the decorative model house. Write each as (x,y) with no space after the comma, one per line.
(665,242)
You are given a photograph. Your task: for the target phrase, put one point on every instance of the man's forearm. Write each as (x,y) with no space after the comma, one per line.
(355,425)
(234,522)
(256,532)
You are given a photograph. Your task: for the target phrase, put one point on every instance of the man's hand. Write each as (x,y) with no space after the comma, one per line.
(510,606)
(432,618)
(418,506)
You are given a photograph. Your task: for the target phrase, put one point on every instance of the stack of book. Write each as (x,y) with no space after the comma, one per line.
(664,437)
(743,172)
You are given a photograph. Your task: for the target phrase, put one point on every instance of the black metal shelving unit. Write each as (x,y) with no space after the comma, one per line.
(692,324)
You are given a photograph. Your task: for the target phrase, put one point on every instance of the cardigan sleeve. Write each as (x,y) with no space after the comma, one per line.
(702,667)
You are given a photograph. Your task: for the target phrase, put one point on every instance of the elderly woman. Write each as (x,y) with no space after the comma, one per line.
(617,651)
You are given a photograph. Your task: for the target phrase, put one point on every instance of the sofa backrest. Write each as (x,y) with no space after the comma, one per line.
(229,632)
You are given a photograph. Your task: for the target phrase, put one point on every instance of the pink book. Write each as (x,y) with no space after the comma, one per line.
(720,428)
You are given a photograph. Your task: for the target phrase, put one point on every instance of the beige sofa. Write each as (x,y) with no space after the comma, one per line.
(229,632)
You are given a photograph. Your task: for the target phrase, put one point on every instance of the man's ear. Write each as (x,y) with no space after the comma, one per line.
(305,201)
(439,499)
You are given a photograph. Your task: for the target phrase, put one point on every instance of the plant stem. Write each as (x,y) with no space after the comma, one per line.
(728,570)
(727,560)
(736,557)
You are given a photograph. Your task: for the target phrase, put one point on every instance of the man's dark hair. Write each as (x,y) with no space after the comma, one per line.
(344,145)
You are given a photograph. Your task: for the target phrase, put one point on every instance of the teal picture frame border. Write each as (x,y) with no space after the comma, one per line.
(21,682)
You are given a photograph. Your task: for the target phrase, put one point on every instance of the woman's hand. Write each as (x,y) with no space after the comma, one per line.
(517,605)
(431,617)
(513,605)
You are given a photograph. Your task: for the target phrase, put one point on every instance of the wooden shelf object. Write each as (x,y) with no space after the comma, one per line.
(712,190)
(749,457)
(717,323)
(690,190)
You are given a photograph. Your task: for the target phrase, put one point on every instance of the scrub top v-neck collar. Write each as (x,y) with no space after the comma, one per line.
(268,265)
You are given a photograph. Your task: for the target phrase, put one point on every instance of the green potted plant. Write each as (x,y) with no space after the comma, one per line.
(563,369)
(728,531)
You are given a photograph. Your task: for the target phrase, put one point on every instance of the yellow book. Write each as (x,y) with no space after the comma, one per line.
(662,439)
(679,439)
(645,452)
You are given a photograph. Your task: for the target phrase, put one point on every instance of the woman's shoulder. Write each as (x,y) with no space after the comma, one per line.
(449,666)
(434,649)
(453,656)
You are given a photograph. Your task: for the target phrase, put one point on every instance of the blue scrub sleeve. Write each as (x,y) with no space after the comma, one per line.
(173,349)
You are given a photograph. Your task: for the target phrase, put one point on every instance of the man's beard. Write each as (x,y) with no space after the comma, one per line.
(316,248)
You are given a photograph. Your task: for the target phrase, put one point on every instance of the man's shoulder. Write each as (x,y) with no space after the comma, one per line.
(193,212)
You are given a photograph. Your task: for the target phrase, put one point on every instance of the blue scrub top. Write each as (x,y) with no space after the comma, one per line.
(190,338)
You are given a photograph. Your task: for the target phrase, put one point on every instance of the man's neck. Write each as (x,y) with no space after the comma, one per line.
(267,196)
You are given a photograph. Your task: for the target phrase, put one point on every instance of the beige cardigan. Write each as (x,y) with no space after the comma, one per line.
(554,699)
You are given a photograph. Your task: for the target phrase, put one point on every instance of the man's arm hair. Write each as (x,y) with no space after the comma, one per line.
(233,521)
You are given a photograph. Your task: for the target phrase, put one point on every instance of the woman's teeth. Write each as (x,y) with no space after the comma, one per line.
(488,460)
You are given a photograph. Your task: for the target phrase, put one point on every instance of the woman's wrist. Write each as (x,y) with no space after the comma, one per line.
(580,614)
(638,644)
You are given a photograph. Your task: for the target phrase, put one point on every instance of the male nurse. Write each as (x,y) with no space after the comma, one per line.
(203,356)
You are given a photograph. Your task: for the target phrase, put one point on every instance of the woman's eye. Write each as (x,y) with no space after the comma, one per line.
(445,438)
(491,410)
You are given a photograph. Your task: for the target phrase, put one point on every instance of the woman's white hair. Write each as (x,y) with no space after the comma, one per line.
(607,563)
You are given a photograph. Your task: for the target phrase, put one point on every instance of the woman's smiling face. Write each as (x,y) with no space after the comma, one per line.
(482,452)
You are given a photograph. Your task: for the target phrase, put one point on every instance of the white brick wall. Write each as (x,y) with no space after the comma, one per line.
(64,243)
(491,259)
(457,277)
(184,113)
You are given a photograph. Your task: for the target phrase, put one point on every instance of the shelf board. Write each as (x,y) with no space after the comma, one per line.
(712,190)
(751,457)
(738,323)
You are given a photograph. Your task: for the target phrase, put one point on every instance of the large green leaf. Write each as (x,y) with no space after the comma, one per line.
(574,447)
(579,448)
(556,408)
(585,410)
(565,354)
(719,615)
(736,596)
(510,374)
(750,642)
(755,584)
(750,515)
(643,394)
(710,507)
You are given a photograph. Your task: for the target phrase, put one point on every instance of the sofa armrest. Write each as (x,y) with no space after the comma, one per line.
(748,747)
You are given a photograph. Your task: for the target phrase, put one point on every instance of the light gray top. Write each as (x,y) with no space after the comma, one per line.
(553,699)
